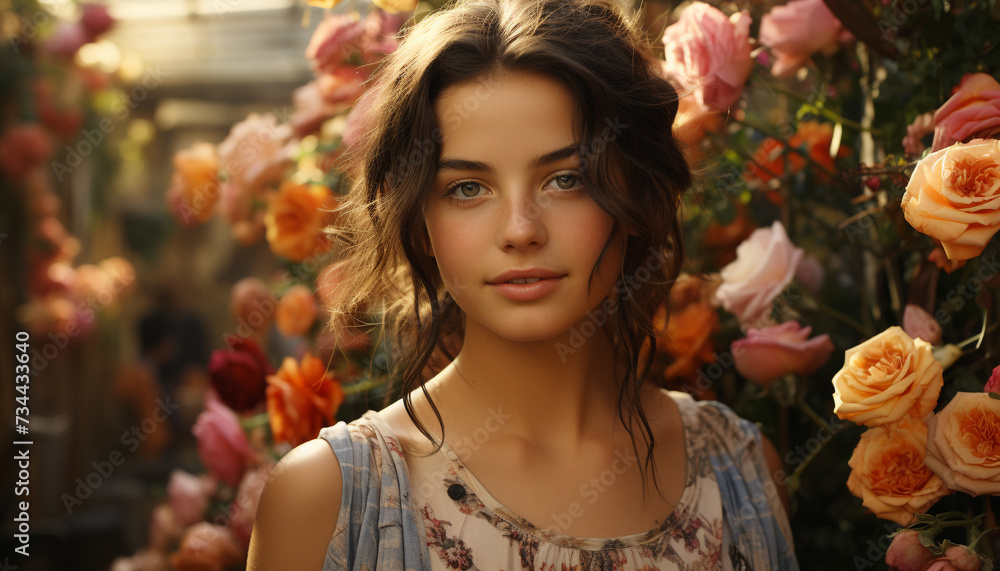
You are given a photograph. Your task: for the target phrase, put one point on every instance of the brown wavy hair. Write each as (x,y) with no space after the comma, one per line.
(636,173)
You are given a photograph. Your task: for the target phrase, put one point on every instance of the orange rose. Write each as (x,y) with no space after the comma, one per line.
(295,219)
(889,475)
(296,311)
(887,378)
(963,446)
(954,197)
(302,398)
(688,334)
(815,136)
(207,547)
(194,187)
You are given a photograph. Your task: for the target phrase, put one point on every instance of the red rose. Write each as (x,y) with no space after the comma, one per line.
(239,374)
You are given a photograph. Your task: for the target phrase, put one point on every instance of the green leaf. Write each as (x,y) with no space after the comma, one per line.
(995,395)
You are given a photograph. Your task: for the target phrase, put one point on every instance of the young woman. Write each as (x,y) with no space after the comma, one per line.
(517,191)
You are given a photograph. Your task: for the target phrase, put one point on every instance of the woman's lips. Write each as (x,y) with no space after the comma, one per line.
(526,292)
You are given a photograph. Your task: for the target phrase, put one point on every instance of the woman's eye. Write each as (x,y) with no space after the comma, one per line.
(465,190)
(570,181)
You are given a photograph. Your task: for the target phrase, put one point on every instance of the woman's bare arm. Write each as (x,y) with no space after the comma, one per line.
(298,510)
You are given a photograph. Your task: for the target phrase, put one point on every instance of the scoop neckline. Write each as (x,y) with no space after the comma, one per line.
(677,518)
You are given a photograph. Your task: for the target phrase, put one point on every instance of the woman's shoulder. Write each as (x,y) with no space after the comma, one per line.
(715,423)
(299,505)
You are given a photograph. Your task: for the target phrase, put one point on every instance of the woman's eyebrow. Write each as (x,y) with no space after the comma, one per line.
(467,165)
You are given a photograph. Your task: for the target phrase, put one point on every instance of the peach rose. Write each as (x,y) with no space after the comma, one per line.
(194,187)
(889,475)
(797,30)
(963,447)
(973,111)
(954,197)
(709,54)
(295,219)
(769,353)
(921,325)
(765,263)
(296,311)
(302,398)
(887,378)
(207,547)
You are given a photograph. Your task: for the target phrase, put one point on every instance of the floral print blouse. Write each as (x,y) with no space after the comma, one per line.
(431,513)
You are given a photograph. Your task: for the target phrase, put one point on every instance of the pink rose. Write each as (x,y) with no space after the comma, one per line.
(993,385)
(255,154)
(67,40)
(360,119)
(956,558)
(709,54)
(222,443)
(810,274)
(769,353)
(244,508)
(207,547)
(799,29)
(189,496)
(765,263)
(919,324)
(973,111)
(906,553)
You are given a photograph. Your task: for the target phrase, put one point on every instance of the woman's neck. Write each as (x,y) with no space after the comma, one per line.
(550,394)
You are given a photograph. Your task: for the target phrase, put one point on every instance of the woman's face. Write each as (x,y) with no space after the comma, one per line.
(495,207)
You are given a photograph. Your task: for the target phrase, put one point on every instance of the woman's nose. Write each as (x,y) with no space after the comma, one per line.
(522,224)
